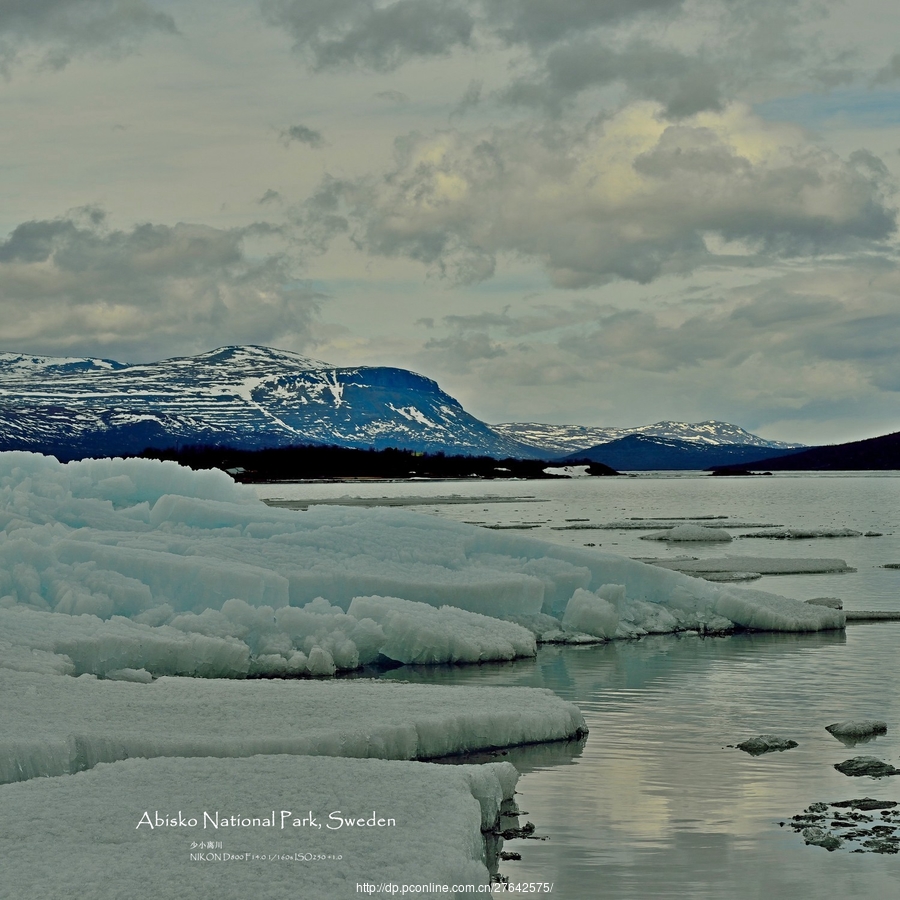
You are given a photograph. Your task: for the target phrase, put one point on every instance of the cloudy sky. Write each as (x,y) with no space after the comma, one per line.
(603,212)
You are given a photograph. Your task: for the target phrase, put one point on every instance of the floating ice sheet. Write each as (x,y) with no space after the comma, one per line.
(797,534)
(87,835)
(139,565)
(764,565)
(689,533)
(58,726)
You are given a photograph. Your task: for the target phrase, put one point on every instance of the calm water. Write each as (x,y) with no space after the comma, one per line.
(654,804)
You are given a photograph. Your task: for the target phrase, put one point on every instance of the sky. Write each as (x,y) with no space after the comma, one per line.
(596,212)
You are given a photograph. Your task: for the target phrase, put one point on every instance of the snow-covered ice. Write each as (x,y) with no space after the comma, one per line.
(568,471)
(112,566)
(54,725)
(87,835)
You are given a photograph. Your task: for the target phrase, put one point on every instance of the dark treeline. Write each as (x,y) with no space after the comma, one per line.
(320,462)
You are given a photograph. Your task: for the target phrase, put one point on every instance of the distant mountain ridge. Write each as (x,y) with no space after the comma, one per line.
(245,397)
(643,453)
(872,454)
(563,440)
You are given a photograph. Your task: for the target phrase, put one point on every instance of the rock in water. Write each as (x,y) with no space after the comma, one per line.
(765,743)
(866,765)
(821,838)
(867,803)
(858,730)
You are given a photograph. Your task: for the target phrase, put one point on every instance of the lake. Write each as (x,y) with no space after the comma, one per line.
(655,803)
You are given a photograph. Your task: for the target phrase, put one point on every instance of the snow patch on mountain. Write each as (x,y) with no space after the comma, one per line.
(242,397)
(566,439)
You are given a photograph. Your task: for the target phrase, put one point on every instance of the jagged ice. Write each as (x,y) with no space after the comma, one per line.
(137,568)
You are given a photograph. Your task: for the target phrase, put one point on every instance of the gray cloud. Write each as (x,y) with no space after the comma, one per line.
(147,292)
(815,344)
(302,135)
(383,36)
(890,71)
(397,97)
(66,28)
(542,22)
(335,33)
(683,83)
(687,59)
(270,196)
(459,350)
(628,198)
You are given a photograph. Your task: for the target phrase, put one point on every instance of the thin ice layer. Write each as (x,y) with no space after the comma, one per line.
(57,726)
(689,533)
(82,836)
(150,566)
(763,565)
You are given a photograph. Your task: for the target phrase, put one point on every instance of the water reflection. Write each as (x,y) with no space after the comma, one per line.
(530,758)
(656,803)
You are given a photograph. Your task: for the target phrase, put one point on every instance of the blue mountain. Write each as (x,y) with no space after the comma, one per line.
(244,397)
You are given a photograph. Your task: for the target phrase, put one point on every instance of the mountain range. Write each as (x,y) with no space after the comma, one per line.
(644,453)
(563,440)
(241,397)
(251,398)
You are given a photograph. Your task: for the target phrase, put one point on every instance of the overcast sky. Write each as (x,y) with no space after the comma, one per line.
(602,212)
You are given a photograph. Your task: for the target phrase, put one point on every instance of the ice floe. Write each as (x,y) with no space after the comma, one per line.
(763,565)
(689,533)
(796,534)
(639,524)
(269,827)
(127,567)
(59,726)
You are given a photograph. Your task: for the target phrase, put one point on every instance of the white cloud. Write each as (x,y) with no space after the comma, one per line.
(629,197)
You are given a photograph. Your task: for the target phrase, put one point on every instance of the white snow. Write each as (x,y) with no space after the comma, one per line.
(87,835)
(568,471)
(137,564)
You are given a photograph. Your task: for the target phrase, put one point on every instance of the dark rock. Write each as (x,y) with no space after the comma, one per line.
(859,730)
(866,803)
(765,743)
(819,837)
(866,765)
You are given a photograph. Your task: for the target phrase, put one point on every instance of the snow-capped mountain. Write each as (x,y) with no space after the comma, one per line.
(567,439)
(242,397)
